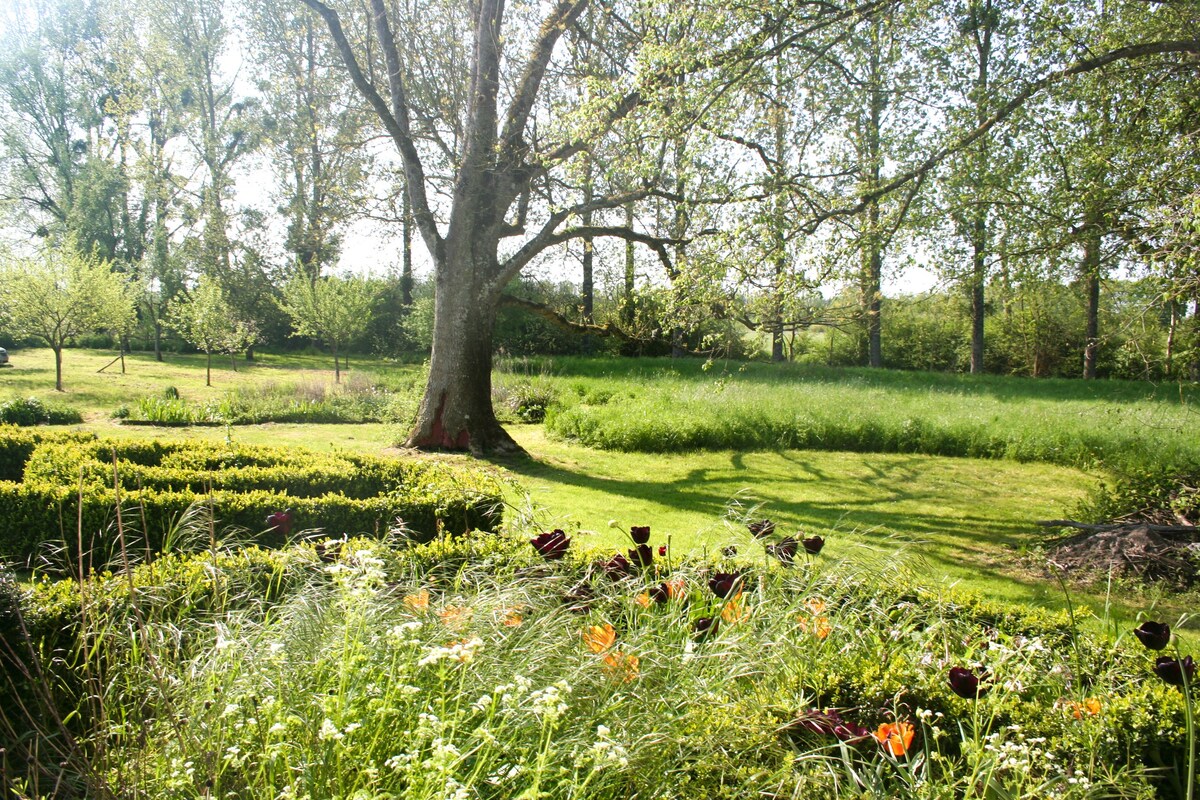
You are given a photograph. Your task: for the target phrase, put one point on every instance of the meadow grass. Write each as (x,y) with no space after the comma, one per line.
(661,406)
(474,668)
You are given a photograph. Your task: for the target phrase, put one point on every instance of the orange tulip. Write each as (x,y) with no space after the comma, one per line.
(621,665)
(418,601)
(599,638)
(895,737)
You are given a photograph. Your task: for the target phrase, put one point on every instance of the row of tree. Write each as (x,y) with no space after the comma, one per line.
(739,160)
(63,295)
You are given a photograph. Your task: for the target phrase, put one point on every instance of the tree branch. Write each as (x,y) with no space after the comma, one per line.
(397,124)
(1004,112)
(547,313)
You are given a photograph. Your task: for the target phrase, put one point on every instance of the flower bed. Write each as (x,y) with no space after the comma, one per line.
(506,668)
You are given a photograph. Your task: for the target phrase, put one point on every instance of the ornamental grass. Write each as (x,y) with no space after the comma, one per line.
(482,667)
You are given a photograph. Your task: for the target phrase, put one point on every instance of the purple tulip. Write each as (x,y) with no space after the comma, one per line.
(640,534)
(813,545)
(966,684)
(1154,635)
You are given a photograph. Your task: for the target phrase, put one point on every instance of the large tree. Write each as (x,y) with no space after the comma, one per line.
(471,167)
(522,122)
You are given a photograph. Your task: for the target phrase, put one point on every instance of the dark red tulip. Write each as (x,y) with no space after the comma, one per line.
(1172,670)
(705,627)
(785,551)
(761,529)
(617,567)
(831,723)
(282,521)
(551,546)
(813,545)
(966,684)
(662,551)
(640,534)
(1155,635)
(722,584)
(642,556)
(660,594)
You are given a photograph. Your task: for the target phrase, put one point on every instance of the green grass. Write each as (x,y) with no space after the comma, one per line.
(968,519)
(655,405)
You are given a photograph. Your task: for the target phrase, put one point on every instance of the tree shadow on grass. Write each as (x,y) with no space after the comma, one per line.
(875,506)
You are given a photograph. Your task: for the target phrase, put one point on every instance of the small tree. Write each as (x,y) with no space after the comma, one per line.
(62,294)
(206,320)
(334,310)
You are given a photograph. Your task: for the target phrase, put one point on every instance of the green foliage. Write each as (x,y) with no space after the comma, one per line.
(354,668)
(334,310)
(17,445)
(1165,494)
(158,483)
(32,411)
(207,320)
(62,295)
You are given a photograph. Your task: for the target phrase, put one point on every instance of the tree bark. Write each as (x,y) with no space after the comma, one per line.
(1091,279)
(58,368)
(208,368)
(978,280)
(456,410)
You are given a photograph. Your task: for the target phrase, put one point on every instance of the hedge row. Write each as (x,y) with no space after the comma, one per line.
(18,444)
(234,486)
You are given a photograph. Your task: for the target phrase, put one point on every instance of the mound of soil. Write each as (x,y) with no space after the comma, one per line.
(1130,551)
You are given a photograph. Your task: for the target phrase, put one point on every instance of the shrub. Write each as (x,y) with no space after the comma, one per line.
(32,411)
(158,482)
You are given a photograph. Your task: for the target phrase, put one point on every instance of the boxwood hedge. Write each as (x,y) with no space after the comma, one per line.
(55,488)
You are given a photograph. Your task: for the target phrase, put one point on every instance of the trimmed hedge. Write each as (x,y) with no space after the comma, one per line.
(17,445)
(241,486)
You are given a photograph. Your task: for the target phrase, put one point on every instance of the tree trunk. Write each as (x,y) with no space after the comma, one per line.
(587,294)
(1091,277)
(627,310)
(208,368)
(456,410)
(58,368)
(158,356)
(337,372)
(978,279)
(406,270)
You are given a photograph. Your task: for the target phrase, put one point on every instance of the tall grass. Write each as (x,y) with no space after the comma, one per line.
(471,669)
(666,407)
